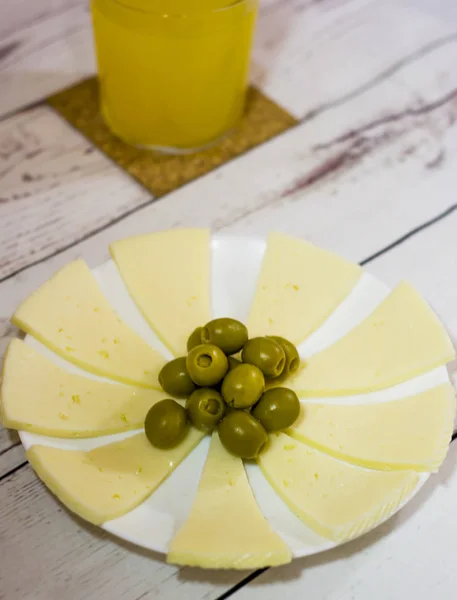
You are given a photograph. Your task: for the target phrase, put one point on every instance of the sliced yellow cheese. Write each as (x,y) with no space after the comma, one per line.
(225,528)
(109,481)
(70,315)
(402,338)
(410,433)
(40,397)
(168,276)
(336,499)
(298,287)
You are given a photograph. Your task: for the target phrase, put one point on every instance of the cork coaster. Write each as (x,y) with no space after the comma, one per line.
(162,173)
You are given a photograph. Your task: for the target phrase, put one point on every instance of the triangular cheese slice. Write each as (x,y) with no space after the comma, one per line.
(225,528)
(298,288)
(402,338)
(410,433)
(70,315)
(38,396)
(168,276)
(109,481)
(337,500)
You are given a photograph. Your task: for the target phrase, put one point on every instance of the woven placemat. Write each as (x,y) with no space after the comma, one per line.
(161,173)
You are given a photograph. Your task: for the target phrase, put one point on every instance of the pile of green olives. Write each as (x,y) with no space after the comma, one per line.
(226,391)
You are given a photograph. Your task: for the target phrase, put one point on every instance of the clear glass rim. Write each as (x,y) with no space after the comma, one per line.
(127,4)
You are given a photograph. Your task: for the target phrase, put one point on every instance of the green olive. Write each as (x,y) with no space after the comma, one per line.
(242,435)
(277,409)
(291,352)
(233,363)
(175,379)
(243,386)
(206,365)
(205,408)
(229,335)
(195,338)
(266,354)
(166,424)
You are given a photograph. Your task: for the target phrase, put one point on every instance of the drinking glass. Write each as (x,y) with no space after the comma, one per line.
(173,73)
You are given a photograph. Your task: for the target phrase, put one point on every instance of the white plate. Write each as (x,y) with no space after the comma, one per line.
(235,266)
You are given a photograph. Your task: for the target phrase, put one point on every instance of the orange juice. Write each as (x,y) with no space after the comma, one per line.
(173,73)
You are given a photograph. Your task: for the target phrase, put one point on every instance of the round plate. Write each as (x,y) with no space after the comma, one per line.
(236,263)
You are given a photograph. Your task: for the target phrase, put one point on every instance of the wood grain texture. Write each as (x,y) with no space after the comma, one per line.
(294,183)
(429,260)
(44,46)
(13,455)
(64,558)
(49,175)
(310,208)
(54,188)
(335,210)
(308,55)
(374,159)
(412,555)
(292,190)
(311,56)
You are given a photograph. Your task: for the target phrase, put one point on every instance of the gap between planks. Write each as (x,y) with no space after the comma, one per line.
(17,448)
(327,165)
(386,250)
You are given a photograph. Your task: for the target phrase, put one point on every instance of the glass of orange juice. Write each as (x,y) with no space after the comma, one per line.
(173,73)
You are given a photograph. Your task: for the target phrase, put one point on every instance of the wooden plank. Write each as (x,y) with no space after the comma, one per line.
(49,175)
(334,208)
(13,454)
(44,47)
(310,56)
(296,182)
(410,185)
(410,556)
(298,56)
(428,260)
(54,188)
(62,557)
(325,181)
(21,17)
(312,206)
(398,162)
(404,208)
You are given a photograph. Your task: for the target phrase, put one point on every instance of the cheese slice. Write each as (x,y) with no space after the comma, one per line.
(225,528)
(40,397)
(298,287)
(336,499)
(402,338)
(109,481)
(168,276)
(410,433)
(70,315)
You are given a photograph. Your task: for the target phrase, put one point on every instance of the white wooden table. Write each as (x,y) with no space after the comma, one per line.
(370,172)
